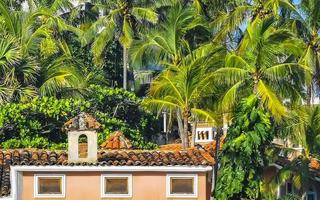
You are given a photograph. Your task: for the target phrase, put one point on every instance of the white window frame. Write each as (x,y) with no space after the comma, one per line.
(102,184)
(211,134)
(195,185)
(36,184)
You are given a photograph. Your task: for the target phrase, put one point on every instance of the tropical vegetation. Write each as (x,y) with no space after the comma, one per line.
(251,64)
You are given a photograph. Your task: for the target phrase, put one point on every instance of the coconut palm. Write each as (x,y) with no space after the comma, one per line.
(120,23)
(183,88)
(166,44)
(238,13)
(307,26)
(16,75)
(178,89)
(263,65)
(301,128)
(38,36)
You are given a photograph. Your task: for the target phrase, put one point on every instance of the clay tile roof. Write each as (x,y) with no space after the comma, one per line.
(170,147)
(192,157)
(83,121)
(209,147)
(116,141)
(314,164)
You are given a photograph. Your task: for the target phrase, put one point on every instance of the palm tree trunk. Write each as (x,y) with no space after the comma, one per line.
(180,124)
(194,129)
(255,86)
(309,95)
(185,142)
(216,158)
(125,67)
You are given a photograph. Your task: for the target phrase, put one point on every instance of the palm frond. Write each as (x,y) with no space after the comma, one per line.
(230,97)
(102,40)
(147,14)
(271,101)
(127,34)
(230,75)
(8,18)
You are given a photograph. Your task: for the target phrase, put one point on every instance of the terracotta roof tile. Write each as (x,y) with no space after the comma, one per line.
(116,141)
(314,164)
(170,147)
(83,121)
(105,158)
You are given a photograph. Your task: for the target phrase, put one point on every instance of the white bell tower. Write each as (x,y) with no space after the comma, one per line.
(82,126)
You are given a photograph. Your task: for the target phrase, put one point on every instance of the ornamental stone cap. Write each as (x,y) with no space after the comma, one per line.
(82,122)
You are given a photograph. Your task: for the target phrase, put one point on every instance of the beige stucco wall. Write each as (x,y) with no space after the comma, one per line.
(86,186)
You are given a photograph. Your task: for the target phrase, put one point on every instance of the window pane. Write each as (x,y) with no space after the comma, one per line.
(116,185)
(289,188)
(310,197)
(48,185)
(206,135)
(181,186)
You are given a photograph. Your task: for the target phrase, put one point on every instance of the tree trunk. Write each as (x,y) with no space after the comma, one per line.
(255,87)
(180,124)
(185,142)
(309,95)
(194,129)
(216,158)
(125,67)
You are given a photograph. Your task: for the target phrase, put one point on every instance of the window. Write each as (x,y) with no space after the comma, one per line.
(116,185)
(83,146)
(204,134)
(48,186)
(289,188)
(182,185)
(311,194)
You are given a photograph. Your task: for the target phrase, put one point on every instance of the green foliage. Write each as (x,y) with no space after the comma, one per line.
(37,124)
(243,156)
(290,197)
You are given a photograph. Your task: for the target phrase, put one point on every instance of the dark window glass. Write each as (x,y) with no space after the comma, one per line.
(206,135)
(49,185)
(311,196)
(289,188)
(116,185)
(182,186)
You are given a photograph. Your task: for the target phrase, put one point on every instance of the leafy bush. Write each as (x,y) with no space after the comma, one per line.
(37,124)
(125,106)
(243,156)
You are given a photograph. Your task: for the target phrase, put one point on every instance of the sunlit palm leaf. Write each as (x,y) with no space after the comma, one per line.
(270,99)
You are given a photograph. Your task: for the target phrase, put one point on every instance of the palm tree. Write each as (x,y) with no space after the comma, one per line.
(307,26)
(181,89)
(178,87)
(121,22)
(302,128)
(16,76)
(263,65)
(37,35)
(238,13)
(166,45)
